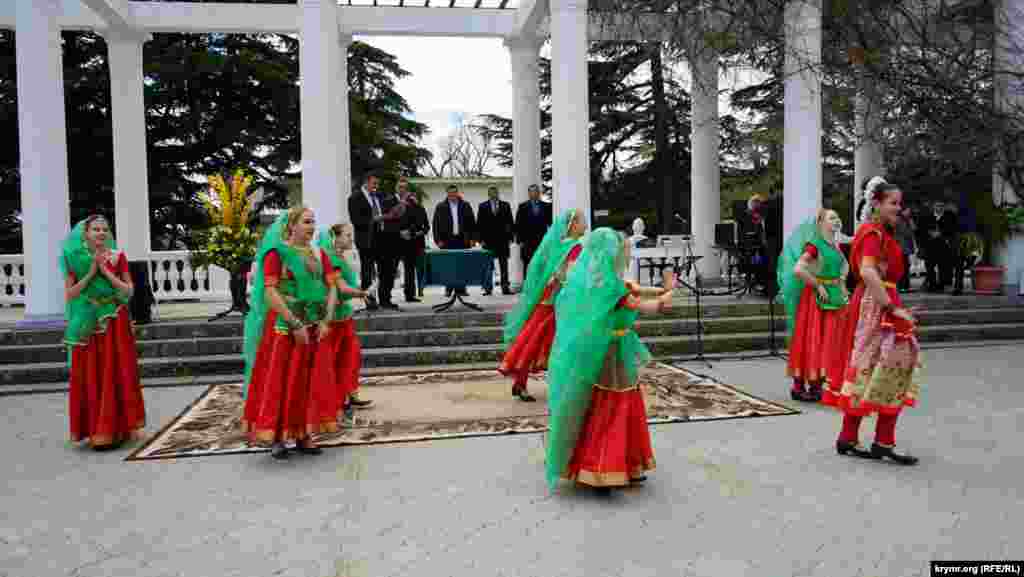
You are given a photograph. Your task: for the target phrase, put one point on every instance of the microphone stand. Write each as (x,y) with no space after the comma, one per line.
(690,260)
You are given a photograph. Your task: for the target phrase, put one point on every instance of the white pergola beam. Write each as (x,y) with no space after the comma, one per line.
(237,18)
(115,13)
(529,16)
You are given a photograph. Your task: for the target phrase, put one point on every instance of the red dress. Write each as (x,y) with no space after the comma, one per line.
(812,354)
(530,350)
(340,349)
(878,352)
(105,399)
(290,396)
(614,445)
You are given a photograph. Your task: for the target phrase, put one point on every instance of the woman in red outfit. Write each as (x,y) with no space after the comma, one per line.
(341,347)
(289,395)
(598,427)
(105,401)
(530,326)
(812,277)
(878,372)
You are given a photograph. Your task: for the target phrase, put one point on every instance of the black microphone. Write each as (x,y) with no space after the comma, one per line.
(680,219)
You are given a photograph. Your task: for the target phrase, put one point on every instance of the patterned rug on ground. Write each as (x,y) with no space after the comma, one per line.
(438,405)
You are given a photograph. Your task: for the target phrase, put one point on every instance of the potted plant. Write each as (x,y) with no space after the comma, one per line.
(995,224)
(229,242)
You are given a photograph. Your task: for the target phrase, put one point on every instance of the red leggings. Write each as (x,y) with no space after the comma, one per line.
(885,429)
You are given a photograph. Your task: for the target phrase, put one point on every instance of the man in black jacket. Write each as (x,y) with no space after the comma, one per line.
(413,231)
(389,246)
(533,218)
(494,221)
(364,209)
(454,226)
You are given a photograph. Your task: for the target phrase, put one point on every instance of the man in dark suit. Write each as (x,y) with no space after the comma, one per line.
(494,221)
(533,218)
(454,226)
(389,246)
(365,211)
(413,231)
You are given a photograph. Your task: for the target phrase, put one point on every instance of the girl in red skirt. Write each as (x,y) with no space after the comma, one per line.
(341,347)
(530,326)
(598,430)
(289,394)
(105,400)
(880,357)
(812,277)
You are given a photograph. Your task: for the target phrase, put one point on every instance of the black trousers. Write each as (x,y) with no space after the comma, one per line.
(526,251)
(387,259)
(367,266)
(410,257)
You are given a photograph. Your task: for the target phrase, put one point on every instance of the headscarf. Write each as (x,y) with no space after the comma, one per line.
(99,300)
(791,286)
(548,257)
(309,289)
(325,241)
(585,323)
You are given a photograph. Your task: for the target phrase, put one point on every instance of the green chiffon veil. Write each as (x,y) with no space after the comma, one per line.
(310,290)
(584,317)
(99,300)
(553,249)
(325,241)
(790,285)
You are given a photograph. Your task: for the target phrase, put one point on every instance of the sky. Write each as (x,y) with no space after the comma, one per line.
(451,78)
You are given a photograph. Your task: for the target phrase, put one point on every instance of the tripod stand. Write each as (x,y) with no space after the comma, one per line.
(680,270)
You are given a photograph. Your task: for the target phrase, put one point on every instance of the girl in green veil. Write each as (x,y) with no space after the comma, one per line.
(105,396)
(812,280)
(289,392)
(598,429)
(530,326)
(341,347)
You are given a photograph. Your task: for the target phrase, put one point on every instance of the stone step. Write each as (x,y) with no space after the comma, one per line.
(413,357)
(714,307)
(647,327)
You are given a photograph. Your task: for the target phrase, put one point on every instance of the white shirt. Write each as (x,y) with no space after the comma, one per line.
(454,208)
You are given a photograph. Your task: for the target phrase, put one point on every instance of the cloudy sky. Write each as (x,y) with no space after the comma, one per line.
(451,77)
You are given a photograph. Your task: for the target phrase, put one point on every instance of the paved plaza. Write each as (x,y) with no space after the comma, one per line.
(765,496)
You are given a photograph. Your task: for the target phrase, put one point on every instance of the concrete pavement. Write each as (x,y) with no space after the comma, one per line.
(765,497)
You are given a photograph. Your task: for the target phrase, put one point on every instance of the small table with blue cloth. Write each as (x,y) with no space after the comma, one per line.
(454,268)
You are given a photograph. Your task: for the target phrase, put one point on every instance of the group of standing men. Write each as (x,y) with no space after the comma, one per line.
(391,227)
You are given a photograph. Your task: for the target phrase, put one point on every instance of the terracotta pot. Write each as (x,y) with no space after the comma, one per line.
(988,280)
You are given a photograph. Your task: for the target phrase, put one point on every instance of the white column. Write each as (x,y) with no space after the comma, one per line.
(128,124)
(526,164)
(570,118)
(1009,95)
(868,160)
(42,140)
(705,197)
(802,125)
(324,121)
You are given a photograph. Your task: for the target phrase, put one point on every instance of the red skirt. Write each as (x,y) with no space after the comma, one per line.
(814,353)
(529,351)
(614,445)
(105,400)
(342,350)
(290,396)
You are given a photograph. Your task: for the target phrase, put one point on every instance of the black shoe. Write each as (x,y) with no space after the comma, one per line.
(880,451)
(487,293)
(506,291)
(279,451)
(358,403)
(390,306)
(314,450)
(524,396)
(412,300)
(847,448)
